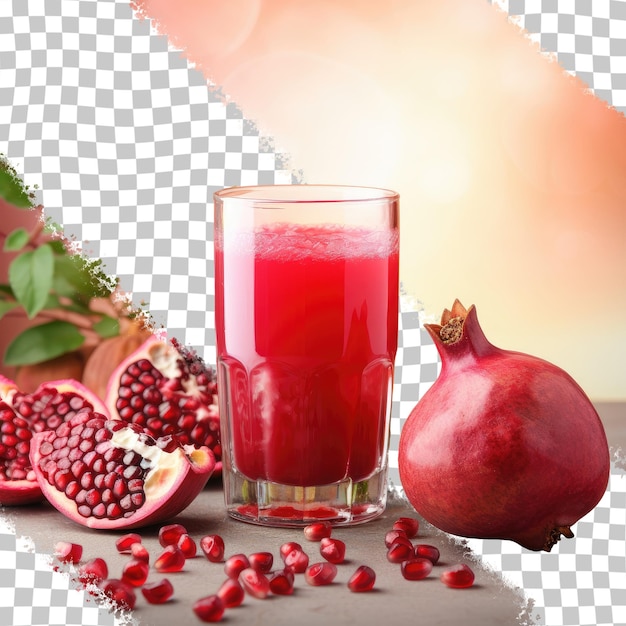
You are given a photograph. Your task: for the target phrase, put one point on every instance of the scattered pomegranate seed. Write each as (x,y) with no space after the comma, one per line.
(121,593)
(320,574)
(158,592)
(187,545)
(333,550)
(318,530)
(254,583)
(409,525)
(416,568)
(68,552)
(231,593)
(124,543)
(261,561)
(287,547)
(235,564)
(213,548)
(428,552)
(458,577)
(209,609)
(170,534)
(281,582)
(171,559)
(297,561)
(399,552)
(363,579)
(93,571)
(392,536)
(135,572)
(140,552)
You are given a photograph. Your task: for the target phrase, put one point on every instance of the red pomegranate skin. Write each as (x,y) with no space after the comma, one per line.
(503,445)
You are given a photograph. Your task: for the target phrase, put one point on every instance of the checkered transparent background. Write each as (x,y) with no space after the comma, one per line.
(127,145)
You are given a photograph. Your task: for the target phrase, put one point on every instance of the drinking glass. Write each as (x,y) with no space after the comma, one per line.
(306,314)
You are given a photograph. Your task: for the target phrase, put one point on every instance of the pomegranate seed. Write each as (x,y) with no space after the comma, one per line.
(261,561)
(231,593)
(209,609)
(458,577)
(187,545)
(158,592)
(135,572)
(121,593)
(124,543)
(318,530)
(287,547)
(140,552)
(254,583)
(93,571)
(320,574)
(428,552)
(171,559)
(213,548)
(297,561)
(399,552)
(416,568)
(235,564)
(68,552)
(392,536)
(333,550)
(409,525)
(170,534)
(362,580)
(281,582)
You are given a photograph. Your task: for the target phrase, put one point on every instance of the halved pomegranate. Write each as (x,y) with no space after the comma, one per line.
(51,403)
(109,474)
(18,484)
(22,415)
(169,390)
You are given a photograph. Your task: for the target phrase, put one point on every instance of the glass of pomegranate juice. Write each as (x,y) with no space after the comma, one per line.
(306,315)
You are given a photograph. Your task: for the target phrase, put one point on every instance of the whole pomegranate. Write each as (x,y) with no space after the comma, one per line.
(169,390)
(66,366)
(503,445)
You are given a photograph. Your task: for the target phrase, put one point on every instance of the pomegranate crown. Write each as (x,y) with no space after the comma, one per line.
(450,330)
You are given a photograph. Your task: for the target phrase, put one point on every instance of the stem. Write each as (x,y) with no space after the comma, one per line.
(80,321)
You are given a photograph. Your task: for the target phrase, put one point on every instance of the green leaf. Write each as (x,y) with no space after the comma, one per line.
(12,190)
(52,302)
(58,247)
(16,240)
(68,280)
(6,306)
(75,276)
(30,275)
(107,327)
(43,342)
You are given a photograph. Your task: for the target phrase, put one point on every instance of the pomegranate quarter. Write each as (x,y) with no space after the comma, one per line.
(109,474)
(168,389)
(504,445)
(24,414)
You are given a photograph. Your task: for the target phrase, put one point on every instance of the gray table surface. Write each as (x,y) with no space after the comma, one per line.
(395,601)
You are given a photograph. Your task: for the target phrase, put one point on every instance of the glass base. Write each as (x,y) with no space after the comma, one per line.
(345,503)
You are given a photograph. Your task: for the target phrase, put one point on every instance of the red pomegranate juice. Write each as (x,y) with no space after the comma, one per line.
(307,320)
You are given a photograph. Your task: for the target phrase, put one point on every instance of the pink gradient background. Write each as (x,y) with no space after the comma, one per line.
(511,175)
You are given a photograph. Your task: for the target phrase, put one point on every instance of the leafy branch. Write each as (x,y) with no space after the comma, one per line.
(68,293)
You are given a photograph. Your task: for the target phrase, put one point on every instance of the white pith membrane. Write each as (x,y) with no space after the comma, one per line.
(166,359)
(156,482)
(162,467)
